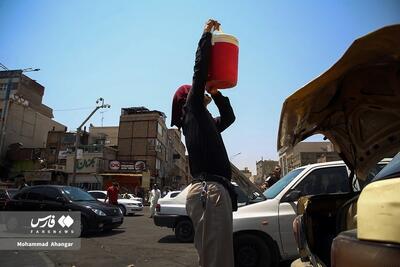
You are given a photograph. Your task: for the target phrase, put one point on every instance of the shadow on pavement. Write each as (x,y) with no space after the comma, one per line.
(171,239)
(106,233)
(135,215)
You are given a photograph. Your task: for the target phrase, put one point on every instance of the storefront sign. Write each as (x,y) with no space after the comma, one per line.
(114,165)
(127,166)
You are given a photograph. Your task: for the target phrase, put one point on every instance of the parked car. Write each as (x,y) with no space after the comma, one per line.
(356,105)
(131,196)
(171,212)
(127,206)
(263,232)
(171,194)
(95,215)
(5,195)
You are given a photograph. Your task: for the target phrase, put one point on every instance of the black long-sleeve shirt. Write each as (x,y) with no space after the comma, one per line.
(207,153)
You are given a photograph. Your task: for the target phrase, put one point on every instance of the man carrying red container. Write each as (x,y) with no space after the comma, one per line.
(211,198)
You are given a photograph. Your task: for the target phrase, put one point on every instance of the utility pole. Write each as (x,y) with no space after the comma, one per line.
(4,114)
(100,104)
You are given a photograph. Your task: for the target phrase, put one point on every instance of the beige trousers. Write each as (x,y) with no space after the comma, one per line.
(212,224)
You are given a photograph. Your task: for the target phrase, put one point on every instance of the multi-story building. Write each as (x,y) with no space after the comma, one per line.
(177,175)
(264,169)
(143,137)
(307,153)
(92,165)
(60,144)
(26,120)
(107,135)
(246,172)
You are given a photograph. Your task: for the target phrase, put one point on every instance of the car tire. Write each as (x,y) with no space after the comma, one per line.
(122,208)
(252,251)
(84,226)
(184,231)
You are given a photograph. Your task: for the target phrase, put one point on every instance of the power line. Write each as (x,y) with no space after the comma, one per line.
(3,67)
(71,109)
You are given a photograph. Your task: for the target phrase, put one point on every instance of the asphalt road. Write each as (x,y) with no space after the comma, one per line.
(138,242)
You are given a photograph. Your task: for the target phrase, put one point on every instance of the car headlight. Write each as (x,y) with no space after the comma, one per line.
(99,212)
(131,204)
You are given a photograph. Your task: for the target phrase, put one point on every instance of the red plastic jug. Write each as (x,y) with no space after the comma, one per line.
(223,68)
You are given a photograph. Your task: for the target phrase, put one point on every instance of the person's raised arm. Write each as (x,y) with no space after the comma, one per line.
(227,116)
(196,94)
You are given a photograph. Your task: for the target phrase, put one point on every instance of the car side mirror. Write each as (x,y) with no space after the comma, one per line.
(292,196)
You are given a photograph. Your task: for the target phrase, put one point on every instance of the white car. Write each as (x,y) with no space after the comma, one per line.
(131,196)
(127,206)
(171,194)
(171,212)
(263,232)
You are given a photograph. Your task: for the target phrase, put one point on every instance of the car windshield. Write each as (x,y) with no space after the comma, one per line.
(276,188)
(77,194)
(392,170)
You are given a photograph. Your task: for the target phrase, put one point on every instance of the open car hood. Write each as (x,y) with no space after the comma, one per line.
(355,104)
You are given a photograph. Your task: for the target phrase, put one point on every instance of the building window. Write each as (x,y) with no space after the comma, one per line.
(3,86)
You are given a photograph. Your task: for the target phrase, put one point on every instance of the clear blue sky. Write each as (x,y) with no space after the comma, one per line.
(136,53)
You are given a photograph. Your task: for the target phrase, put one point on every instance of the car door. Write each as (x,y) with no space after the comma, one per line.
(319,181)
(34,200)
(52,200)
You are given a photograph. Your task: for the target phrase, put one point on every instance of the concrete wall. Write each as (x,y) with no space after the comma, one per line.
(29,127)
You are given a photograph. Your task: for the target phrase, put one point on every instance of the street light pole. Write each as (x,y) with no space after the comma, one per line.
(237,154)
(100,104)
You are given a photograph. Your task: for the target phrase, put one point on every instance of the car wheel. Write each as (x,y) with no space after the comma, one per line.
(184,231)
(252,251)
(122,208)
(84,227)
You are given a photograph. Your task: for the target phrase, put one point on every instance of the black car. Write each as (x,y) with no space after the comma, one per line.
(95,215)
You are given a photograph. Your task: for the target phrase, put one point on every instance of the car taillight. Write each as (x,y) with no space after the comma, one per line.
(158,207)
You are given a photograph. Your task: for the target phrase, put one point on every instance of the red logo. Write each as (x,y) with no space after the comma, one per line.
(115,165)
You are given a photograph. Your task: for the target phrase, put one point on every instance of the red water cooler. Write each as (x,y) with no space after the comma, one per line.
(223,69)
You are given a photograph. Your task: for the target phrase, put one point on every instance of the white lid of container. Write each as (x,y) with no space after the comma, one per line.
(219,36)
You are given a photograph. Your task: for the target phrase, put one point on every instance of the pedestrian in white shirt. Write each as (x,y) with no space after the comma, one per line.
(155,194)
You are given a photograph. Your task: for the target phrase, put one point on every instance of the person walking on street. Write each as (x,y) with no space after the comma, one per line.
(112,194)
(155,195)
(211,197)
